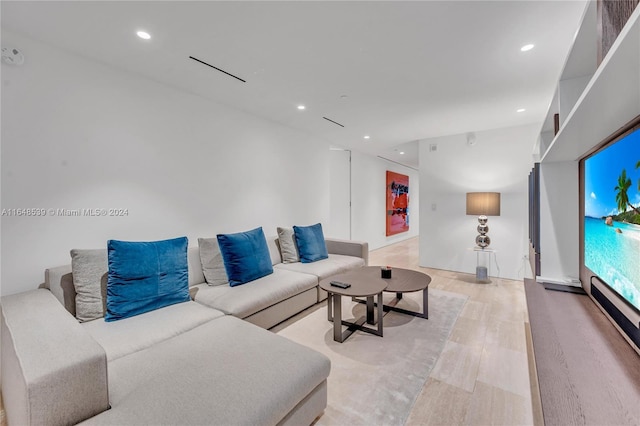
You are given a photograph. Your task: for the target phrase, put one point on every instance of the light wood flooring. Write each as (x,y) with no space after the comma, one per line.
(482,376)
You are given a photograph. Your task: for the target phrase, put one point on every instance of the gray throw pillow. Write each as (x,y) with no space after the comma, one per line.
(90,269)
(212,262)
(288,246)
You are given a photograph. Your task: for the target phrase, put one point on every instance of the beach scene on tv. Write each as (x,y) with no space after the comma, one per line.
(612,216)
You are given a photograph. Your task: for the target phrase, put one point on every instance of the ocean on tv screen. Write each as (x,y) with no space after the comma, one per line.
(614,256)
(612,216)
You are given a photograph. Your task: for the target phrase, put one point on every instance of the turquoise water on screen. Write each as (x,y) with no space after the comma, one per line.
(614,257)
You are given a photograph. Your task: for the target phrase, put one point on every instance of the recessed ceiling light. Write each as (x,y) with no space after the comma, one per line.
(301,107)
(367,137)
(143,35)
(521,110)
(401,152)
(526,47)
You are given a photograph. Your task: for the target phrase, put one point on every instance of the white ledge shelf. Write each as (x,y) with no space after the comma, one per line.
(610,99)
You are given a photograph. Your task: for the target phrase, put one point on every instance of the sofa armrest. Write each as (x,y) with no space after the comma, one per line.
(53,372)
(348,248)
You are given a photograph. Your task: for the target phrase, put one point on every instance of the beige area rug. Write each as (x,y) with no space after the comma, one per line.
(376,380)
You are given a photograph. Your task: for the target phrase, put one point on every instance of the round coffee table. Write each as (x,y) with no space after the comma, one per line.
(361,286)
(401,281)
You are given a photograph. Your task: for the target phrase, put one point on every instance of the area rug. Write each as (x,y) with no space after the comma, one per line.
(376,380)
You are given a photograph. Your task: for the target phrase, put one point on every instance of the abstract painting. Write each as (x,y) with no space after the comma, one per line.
(397,203)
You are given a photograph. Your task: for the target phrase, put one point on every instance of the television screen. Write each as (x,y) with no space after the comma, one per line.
(612,216)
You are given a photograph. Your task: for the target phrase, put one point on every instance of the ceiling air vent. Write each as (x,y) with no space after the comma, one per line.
(217,69)
(334,122)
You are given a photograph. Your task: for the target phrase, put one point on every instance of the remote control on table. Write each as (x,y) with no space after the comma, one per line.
(340,284)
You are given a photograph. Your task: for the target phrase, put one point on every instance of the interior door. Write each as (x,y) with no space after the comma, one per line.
(340,195)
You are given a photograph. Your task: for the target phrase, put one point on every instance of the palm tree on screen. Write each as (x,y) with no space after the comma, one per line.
(624,183)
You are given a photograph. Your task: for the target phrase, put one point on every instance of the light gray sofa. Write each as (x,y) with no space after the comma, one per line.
(291,288)
(195,362)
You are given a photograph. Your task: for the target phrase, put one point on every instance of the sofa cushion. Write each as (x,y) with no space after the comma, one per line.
(274,249)
(225,372)
(59,280)
(246,256)
(310,241)
(212,263)
(144,276)
(334,264)
(130,335)
(242,301)
(195,266)
(288,246)
(89,269)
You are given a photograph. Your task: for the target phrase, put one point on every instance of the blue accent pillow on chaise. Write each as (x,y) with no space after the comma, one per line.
(144,276)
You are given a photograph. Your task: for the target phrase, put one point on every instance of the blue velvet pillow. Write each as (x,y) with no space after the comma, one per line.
(311,245)
(245,255)
(144,276)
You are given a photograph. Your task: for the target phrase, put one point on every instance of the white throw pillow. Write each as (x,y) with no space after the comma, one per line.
(288,245)
(212,262)
(89,269)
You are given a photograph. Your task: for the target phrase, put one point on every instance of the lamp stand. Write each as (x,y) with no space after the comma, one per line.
(483,239)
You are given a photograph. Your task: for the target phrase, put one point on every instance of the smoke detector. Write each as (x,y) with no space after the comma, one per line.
(12,56)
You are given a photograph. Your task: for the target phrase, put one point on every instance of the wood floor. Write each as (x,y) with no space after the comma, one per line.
(482,376)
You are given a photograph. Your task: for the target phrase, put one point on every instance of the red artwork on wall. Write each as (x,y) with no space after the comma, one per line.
(397,203)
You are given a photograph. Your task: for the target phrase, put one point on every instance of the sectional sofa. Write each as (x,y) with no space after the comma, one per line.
(204,361)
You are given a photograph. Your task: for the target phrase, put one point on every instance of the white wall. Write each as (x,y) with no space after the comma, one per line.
(559,220)
(569,91)
(78,134)
(499,161)
(368,196)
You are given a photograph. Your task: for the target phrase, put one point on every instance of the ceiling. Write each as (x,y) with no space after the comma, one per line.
(395,71)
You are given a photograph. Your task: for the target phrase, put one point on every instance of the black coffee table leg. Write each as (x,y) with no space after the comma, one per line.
(380,313)
(370,315)
(425,303)
(392,306)
(339,336)
(337,322)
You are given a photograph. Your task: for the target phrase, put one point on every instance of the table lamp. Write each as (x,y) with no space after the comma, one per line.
(483,204)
